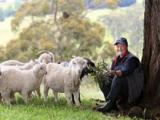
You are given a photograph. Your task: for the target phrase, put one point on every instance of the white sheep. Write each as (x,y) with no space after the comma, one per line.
(29,65)
(20,65)
(45,57)
(12,63)
(24,81)
(64,63)
(64,79)
(26,66)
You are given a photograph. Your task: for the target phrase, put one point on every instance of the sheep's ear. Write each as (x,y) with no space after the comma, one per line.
(73,62)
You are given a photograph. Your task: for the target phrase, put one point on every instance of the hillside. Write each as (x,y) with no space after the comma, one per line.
(5,32)
(93,14)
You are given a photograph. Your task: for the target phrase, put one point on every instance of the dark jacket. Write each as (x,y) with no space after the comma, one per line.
(131,70)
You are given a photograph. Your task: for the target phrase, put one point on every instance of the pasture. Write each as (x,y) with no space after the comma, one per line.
(38,109)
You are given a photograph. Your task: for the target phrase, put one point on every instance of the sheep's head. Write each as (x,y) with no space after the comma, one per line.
(40,70)
(46,57)
(88,69)
(81,62)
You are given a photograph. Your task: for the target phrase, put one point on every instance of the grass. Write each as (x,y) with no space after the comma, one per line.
(38,109)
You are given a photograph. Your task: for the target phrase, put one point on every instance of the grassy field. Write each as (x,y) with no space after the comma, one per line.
(37,109)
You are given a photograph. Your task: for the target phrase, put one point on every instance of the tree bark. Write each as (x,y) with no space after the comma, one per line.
(151,50)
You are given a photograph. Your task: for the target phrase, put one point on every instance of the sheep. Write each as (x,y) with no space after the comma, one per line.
(20,65)
(29,65)
(86,70)
(64,63)
(25,66)
(24,81)
(46,57)
(64,79)
(12,63)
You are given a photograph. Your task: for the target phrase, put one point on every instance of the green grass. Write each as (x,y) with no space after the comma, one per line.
(38,109)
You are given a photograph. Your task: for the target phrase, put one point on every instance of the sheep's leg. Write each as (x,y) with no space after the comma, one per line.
(12,97)
(55,96)
(29,96)
(76,98)
(46,88)
(79,95)
(0,97)
(68,97)
(38,92)
(73,101)
(73,97)
(25,96)
(6,97)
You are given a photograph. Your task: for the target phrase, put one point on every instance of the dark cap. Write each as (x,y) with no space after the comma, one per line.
(121,41)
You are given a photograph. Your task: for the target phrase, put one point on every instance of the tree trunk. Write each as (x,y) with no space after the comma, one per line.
(151,50)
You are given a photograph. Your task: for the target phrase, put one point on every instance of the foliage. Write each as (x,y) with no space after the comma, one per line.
(75,7)
(129,23)
(74,35)
(106,51)
(2,50)
(85,37)
(100,72)
(28,9)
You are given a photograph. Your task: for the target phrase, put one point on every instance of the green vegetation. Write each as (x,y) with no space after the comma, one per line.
(88,33)
(65,36)
(37,109)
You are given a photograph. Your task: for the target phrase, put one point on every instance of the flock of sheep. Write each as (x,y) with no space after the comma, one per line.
(25,78)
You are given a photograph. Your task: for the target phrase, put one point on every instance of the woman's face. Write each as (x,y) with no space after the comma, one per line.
(120,49)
